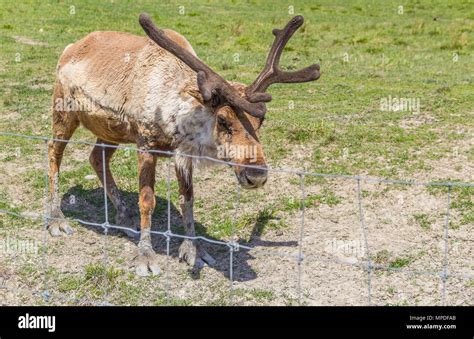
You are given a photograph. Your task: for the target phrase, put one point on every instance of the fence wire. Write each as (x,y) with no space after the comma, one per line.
(232,245)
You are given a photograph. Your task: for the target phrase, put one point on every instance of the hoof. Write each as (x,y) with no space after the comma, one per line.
(58,227)
(128,220)
(146,262)
(194,255)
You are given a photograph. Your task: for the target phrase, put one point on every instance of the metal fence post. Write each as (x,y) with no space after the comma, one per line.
(46,216)
(445,273)
(301,235)
(367,252)
(105,227)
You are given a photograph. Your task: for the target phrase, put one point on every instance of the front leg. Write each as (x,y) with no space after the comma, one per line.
(146,259)
(190,250)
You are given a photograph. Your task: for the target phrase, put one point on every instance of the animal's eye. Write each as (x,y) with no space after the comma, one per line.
(216,100)
(223,123)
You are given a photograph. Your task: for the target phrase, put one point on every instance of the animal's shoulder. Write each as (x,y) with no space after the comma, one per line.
(103,46)
(180,40)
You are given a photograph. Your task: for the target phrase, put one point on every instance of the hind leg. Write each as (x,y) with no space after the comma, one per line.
(190,250)
(124,216)
(64,125)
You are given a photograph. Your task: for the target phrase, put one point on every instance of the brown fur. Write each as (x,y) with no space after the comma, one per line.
(94,69)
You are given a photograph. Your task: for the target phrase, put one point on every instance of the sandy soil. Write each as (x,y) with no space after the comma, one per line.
(332,272)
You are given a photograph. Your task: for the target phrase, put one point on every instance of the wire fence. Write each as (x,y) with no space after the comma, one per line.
(232,246)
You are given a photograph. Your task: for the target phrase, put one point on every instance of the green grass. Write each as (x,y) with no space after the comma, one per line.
(367,53)
(462,201)
(94,282)
(268,219)
(165,300)
(400,262)
(255,294)
(339,117)
(386,258)
(423,220)
(326,197)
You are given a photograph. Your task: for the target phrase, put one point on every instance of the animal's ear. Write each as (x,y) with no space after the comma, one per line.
(209,95)
(216,100)
(209,82)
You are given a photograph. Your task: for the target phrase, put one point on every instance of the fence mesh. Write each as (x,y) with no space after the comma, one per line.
(232,245)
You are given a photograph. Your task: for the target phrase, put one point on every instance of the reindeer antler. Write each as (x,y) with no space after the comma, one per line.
(209,82)
(271,73)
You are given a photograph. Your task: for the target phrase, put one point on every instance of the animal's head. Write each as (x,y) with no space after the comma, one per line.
(239,109)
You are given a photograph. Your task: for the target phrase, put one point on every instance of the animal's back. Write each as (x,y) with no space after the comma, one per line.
(109,76)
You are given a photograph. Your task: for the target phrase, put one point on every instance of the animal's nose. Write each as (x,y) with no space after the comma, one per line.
(256,176)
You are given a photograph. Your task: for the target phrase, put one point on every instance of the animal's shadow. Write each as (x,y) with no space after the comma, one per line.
(88,205)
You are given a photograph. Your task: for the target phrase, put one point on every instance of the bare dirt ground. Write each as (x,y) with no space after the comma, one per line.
(405,235)
(368,54)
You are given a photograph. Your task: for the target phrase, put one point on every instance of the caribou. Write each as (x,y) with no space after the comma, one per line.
(156,93)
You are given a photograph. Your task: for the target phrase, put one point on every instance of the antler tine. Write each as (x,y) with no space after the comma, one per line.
(209,82)
(271,73)
(159,36)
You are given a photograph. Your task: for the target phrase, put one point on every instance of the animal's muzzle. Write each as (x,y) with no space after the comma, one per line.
(251,177)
